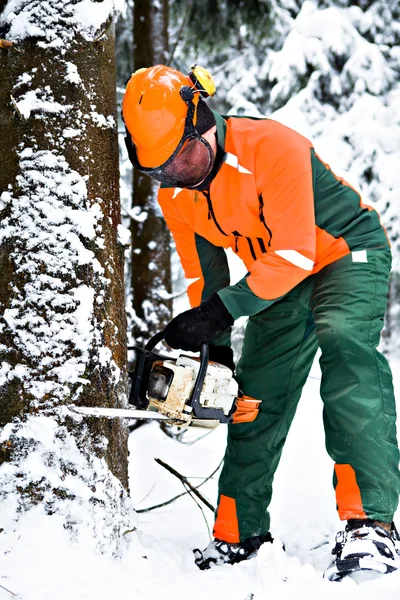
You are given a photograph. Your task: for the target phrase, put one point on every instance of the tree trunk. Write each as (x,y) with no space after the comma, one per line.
(151,268)
(62,318)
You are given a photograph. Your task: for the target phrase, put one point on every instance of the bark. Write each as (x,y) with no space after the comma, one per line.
(151,269)
(62,317)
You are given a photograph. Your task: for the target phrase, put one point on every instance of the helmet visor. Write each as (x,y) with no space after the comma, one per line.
(191,165)
(191,162)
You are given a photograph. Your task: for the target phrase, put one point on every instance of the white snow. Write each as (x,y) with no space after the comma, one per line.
(47,236)
(39,101)
(318,38)
(70,132)
(91,16)
(80,499)
(72,73)
(103,121)
(137,214)
(56,22)
(41,562)
(124,235)
(5,198)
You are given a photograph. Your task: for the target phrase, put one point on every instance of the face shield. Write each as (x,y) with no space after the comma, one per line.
(193,158)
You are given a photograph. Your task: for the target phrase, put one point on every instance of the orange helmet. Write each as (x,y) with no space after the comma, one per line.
(155,113)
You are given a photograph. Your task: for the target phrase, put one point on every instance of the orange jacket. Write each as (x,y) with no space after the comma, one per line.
(277,205)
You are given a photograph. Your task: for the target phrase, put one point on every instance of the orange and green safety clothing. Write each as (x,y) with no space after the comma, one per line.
(277,205)
(318,264)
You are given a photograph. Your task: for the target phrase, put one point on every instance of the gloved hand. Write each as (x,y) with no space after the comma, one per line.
(201,324)
(222,355)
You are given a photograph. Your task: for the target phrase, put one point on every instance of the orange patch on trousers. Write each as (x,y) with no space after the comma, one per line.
(226,526)
(348,495)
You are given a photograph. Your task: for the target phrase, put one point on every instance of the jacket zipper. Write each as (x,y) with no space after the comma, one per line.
(262,245)
(251,247)
(262,218)
(237,236)
(211,215)
(211,212)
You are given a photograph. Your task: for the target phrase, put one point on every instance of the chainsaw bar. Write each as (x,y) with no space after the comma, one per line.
(121,413)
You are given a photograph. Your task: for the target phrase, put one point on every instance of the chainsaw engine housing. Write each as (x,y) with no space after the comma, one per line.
(171,386)
(188,390)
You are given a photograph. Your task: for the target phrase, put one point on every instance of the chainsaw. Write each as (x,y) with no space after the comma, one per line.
(184,391)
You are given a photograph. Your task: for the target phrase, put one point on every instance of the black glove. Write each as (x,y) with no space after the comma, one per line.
(222,355)
(193,327)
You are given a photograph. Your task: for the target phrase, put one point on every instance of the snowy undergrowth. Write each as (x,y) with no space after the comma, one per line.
(75,489)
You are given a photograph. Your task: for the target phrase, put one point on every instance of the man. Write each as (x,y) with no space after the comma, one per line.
(318,264)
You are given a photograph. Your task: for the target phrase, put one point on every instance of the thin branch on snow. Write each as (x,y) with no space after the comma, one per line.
(185,481)
(7,590)
(200,507)
(324,543)
(148,493)
(143,510)
(204,480)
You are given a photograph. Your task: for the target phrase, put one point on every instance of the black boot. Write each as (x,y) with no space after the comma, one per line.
(364,546)
(219,552)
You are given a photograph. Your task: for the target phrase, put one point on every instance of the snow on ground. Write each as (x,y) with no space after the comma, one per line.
(38,562)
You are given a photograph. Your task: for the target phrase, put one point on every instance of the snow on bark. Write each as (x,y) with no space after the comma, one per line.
(56,22)
(51,316)
(53,477)
(62,322)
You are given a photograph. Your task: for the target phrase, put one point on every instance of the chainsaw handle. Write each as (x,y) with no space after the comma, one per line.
(156,339)
(198,384)
(201,375)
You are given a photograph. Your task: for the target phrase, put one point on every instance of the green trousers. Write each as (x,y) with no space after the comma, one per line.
(341,310)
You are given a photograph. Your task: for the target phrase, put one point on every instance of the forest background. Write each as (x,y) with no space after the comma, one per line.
(328,69)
